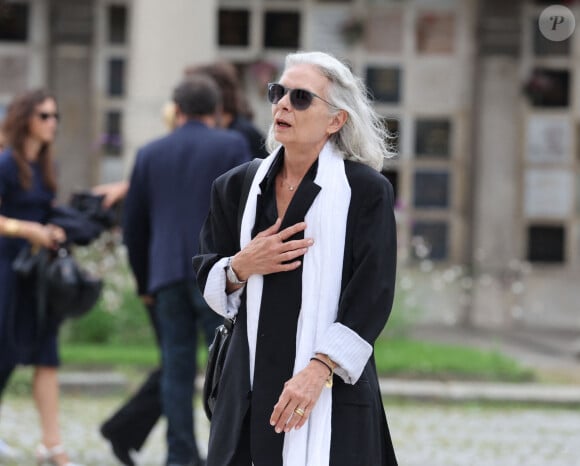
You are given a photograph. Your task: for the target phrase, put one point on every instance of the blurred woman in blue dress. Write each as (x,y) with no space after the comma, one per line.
(27,190)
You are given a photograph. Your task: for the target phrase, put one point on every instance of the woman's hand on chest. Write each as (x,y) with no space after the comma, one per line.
(270,252)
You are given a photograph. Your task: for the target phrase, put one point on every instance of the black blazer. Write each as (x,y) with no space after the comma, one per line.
(168,200)
(360,433)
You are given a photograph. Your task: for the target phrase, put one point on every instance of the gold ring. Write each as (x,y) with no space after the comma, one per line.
(299,411)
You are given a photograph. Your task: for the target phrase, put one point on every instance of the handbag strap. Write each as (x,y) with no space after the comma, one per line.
(248,178)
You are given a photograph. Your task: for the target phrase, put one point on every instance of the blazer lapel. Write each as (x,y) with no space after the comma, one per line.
(300,203)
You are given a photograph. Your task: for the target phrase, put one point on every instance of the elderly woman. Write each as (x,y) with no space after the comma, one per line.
(309,276)
(27,190)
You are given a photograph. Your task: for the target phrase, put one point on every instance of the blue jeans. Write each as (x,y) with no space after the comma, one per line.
(181,312)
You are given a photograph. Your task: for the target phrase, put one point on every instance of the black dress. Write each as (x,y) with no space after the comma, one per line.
(22,340)
(240,431)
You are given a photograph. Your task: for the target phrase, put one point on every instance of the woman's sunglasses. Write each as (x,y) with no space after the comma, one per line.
(46,115)
(299,98)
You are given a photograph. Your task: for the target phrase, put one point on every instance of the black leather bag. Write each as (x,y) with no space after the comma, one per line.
(64,289)
(70,290)
(216,359)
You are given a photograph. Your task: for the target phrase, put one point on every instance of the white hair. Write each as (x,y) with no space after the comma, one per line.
(364,137)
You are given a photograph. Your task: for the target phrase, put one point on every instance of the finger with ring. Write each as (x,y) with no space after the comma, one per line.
(299,411)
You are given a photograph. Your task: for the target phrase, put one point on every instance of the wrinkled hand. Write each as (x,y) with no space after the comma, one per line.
(47,236)
(268,252)
(301,391)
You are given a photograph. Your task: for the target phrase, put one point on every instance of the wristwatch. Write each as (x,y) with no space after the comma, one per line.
(231,274)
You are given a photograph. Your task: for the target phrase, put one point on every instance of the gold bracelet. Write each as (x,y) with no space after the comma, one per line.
(328,382)
(11,227)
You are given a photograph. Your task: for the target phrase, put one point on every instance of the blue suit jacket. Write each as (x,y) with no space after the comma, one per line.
(169,197)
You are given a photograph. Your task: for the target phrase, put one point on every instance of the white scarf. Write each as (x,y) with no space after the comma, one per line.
(321,282)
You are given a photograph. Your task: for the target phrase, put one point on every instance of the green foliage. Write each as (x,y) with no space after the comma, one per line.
(117,355)
(394,357)
(110,355)
(94,327)
(408,358)
(128,323)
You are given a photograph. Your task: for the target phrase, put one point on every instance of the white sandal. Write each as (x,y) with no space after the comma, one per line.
(47,456)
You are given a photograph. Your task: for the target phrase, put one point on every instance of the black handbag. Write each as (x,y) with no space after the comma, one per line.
(70,290)
(216,359)
(218,349)
(64,289)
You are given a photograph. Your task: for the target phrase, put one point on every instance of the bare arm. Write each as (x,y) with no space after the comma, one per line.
(48,236)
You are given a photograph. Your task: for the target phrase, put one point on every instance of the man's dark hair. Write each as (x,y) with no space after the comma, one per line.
(198,95)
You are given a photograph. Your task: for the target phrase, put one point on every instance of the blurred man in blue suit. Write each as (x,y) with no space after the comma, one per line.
(165,207)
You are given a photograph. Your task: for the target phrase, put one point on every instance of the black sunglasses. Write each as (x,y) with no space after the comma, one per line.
(299,98)
(46,115)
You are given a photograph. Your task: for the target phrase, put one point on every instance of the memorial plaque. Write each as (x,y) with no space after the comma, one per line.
(549,139)
(384,83)
(234,28)
(325,28)
(13,74)
(384,32)
(432,85)
(548,193)
(435,235)
(435,32)
(431,189)
(432,137)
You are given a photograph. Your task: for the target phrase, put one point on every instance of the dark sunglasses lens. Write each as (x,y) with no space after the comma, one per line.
(275,93)
(300,99)
(45,116)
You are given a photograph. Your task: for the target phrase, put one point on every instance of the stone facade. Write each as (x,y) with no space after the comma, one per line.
(487,172)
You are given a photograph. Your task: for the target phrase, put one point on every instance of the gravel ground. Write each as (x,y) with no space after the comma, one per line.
(424,434)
